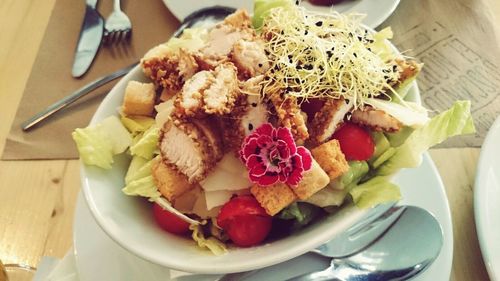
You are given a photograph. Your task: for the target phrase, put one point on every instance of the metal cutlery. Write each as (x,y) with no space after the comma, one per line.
(408,247)
(215,13)
(91,34)
(118,27)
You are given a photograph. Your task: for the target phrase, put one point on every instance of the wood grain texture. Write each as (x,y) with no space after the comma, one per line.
(37,198)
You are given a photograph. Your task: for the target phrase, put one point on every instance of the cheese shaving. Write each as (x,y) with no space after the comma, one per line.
(315,55)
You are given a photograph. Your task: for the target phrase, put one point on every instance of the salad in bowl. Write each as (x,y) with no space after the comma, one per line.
(261,128)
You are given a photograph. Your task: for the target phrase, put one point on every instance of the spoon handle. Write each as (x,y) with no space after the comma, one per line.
(335,272)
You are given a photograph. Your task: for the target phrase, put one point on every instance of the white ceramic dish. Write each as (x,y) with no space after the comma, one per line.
(98,257)
(487,201)
(376,11)
(129,221)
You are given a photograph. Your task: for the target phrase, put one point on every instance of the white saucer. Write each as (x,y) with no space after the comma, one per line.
(100,258)
(376,11)
(487,201)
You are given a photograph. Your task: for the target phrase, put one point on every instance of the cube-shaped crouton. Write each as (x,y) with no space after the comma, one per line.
(273,198)
(312,181)
(331,159)
(170,183)
(139,99)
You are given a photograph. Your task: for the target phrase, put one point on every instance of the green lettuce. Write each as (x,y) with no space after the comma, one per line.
(381,46)
(145,146)
(97,144)
(262,7)
(375,191)
(137,124)
(139,168)
(455,121)
(144,187)
(211,243)
(302,213)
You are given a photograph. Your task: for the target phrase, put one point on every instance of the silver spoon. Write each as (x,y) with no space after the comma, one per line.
(407,248)
(203,16)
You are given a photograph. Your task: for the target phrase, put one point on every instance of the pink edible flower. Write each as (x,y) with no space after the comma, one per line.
(271,156)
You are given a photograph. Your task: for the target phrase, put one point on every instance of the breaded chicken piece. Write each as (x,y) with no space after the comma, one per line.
(250,58)
(327,120)
(190,100)
(406,69)
(331,159)
(290,116)
(273,198)
(169,182)
(375,119)
(220,96)
(187,147)
(222,37)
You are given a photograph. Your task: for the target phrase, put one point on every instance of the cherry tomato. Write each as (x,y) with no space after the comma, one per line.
(245,221)
(249,230)
(355,142)
(311,106)
(169,221)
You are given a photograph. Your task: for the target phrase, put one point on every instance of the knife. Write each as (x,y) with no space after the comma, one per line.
(90,39)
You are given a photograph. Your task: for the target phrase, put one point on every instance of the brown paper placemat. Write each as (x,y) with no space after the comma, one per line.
(51,80)
(456,41)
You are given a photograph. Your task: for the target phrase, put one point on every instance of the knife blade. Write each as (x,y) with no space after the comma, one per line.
(89,41)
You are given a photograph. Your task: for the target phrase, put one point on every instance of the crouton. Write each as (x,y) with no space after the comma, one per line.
(139,99)
(170,183)
(273,198)
(312,181)
(331,159)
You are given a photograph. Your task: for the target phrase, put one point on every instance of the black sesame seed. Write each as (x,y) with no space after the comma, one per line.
(250,127)
(319,23)
(355,55)
(254,104)
(305,32)
(297,2)
(260,64)
(394,68)
(297,80)
(360,38)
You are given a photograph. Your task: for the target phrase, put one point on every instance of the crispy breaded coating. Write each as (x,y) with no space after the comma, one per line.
(331,159)
(312,181)
(376,119)
(273,198)
(327,120)
(220,96)
(189,102)
(139,99)
(239,19)
(290,116)
(169,182)
(161,66)
(407,69)
(187,147)
(250,58)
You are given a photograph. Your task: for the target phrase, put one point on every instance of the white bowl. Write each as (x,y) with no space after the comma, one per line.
(129,220)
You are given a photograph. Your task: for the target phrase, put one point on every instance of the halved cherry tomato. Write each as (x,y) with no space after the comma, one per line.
(311,106)
(169,221)
(355,142)
(245,221)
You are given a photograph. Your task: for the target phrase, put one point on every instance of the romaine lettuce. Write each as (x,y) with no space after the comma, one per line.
(375,191)
(146,145)
(211,243)
(97,144)
(262,8)
(144,187)
(455,121)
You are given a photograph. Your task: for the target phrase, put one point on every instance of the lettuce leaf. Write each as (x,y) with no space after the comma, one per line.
(211,243)
(262,7)
(97,144)
(455,121)
(302,213)
(381,46)
(139,168)
(144,187)
(137,124)
(375,191)
(146,145)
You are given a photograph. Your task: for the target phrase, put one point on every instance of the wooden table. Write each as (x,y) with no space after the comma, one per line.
(37,198)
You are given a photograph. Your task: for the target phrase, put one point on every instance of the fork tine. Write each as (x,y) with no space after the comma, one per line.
(123,36)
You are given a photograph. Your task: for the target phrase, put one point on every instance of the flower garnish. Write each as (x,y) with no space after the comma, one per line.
(271,156)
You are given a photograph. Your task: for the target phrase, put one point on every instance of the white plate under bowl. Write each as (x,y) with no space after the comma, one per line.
(376,11)
(487,201)
(98,257)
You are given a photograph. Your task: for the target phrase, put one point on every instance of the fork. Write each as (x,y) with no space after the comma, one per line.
(118,26)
